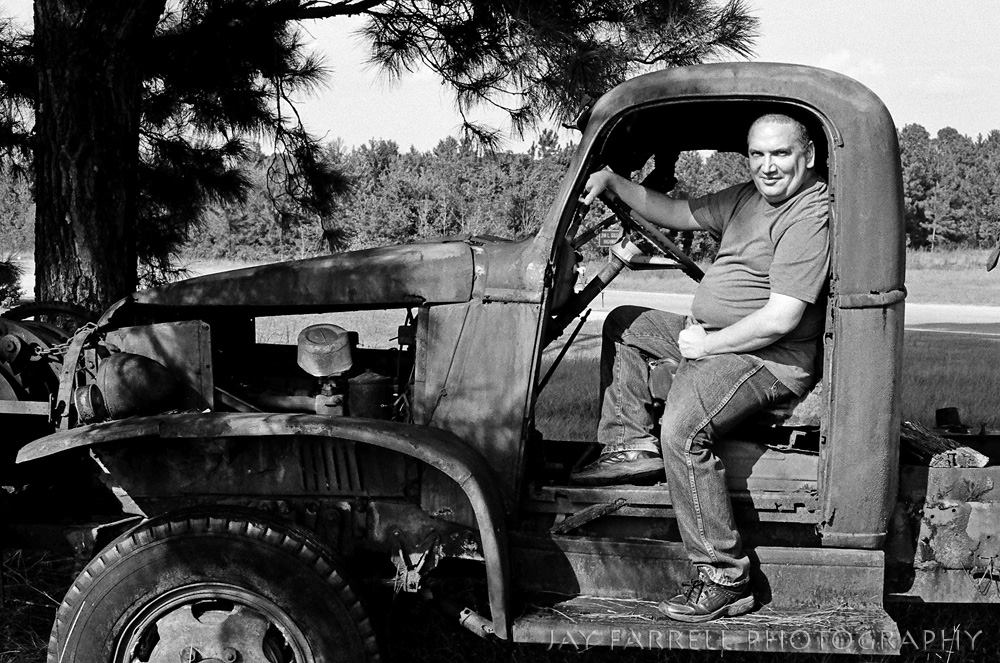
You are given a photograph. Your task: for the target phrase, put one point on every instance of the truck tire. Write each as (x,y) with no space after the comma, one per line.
(234,587)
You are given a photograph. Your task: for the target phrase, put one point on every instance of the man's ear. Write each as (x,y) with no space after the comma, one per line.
(811,155)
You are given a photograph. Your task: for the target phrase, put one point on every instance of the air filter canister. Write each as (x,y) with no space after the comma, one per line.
(324,350)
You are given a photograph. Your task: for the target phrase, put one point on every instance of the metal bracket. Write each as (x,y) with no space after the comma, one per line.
(793,443)
(592,512)
(60,413)
(411,566)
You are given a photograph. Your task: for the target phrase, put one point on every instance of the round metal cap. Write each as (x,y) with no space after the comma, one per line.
(324,350)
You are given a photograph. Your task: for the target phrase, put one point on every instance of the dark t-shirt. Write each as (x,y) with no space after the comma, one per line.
(764,248)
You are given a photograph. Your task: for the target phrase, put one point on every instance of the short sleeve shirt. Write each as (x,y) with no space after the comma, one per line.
(764,248)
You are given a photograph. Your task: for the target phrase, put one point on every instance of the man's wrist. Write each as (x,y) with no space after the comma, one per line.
(614,182)
(708,345)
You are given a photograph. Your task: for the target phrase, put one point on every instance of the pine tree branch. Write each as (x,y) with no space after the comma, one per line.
(317,9)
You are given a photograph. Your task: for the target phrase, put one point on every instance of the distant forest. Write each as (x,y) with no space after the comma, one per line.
(951,185)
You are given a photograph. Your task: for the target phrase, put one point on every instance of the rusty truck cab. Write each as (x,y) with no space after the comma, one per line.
(829,499)
(710,108)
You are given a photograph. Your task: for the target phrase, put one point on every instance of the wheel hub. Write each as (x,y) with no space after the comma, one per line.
(211,636)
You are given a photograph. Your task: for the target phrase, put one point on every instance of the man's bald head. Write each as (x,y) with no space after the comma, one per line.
(801,133)
(780,155)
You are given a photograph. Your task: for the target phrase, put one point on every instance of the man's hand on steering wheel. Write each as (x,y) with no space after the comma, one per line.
(598,183)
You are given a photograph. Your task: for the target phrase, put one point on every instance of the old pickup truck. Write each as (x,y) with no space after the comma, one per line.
(240,499)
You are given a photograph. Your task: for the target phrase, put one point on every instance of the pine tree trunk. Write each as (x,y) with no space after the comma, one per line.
(89,57)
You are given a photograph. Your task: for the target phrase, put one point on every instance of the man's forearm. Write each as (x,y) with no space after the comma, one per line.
(761,328)
(647,203)
(756,331)
(656,207)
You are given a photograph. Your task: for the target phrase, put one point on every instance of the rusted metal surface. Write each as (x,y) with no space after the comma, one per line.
(233,466)
(860,453)
(183,347)
(797,505)
(394,521)
(775,486)
(783,577)
(979,584)
(227,637)
(934,450)
(960,535)
(413,275)
(439,449)
(586,515)
(473,369)
(30,408)
(67,376)
(585,622)
(129,385)
(946,536)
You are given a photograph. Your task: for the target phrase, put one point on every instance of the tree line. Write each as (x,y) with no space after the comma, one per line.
(951,188)
(393,196)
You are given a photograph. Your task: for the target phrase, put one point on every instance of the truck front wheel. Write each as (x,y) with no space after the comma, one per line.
(211,588)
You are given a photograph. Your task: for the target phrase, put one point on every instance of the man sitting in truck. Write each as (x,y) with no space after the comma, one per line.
(750,343)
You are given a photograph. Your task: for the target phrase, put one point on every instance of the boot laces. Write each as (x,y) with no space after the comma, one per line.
(694,588)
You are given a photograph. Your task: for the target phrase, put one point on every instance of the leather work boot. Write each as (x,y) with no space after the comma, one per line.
(703,600)
(620,467)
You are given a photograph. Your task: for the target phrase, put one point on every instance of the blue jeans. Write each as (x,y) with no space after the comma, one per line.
(708,398)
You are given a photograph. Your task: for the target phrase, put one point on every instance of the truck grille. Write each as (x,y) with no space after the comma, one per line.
(330,466)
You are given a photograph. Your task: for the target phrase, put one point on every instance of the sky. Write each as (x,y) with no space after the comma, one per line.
(932,63)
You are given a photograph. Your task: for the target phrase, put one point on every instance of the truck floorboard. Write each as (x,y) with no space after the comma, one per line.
(586,621)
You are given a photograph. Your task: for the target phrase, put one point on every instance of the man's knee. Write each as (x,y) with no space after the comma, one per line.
(619,319)
(686,424)
(678,432)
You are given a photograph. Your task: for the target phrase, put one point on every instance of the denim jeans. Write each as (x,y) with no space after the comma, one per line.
(632,337)
(709,397)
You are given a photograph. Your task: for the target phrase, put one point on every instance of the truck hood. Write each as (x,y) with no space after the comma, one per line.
(388,277)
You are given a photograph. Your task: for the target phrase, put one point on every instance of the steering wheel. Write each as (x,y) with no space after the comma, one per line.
(577,302)
(648,231)
(654,236)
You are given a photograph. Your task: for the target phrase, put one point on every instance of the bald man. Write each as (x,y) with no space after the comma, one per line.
(750,343)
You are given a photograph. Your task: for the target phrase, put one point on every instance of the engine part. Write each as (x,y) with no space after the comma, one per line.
(324,350)
(89,404)
(370,395)
(330,400)
(129,385)
(14,351)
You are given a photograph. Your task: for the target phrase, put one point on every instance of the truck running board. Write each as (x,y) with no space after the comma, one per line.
(585,622)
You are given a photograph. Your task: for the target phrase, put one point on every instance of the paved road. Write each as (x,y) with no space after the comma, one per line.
(942,318)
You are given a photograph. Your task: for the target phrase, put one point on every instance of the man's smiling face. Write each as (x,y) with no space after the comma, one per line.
(781,159)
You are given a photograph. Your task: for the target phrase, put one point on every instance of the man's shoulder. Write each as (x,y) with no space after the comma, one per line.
(810,202)
(808,211)
(816,191)
(733,197)
(737,191)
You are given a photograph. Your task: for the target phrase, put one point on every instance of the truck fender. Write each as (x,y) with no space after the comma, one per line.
(438,448)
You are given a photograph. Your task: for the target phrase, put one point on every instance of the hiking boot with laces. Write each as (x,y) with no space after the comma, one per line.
(621,467)
(702,600)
